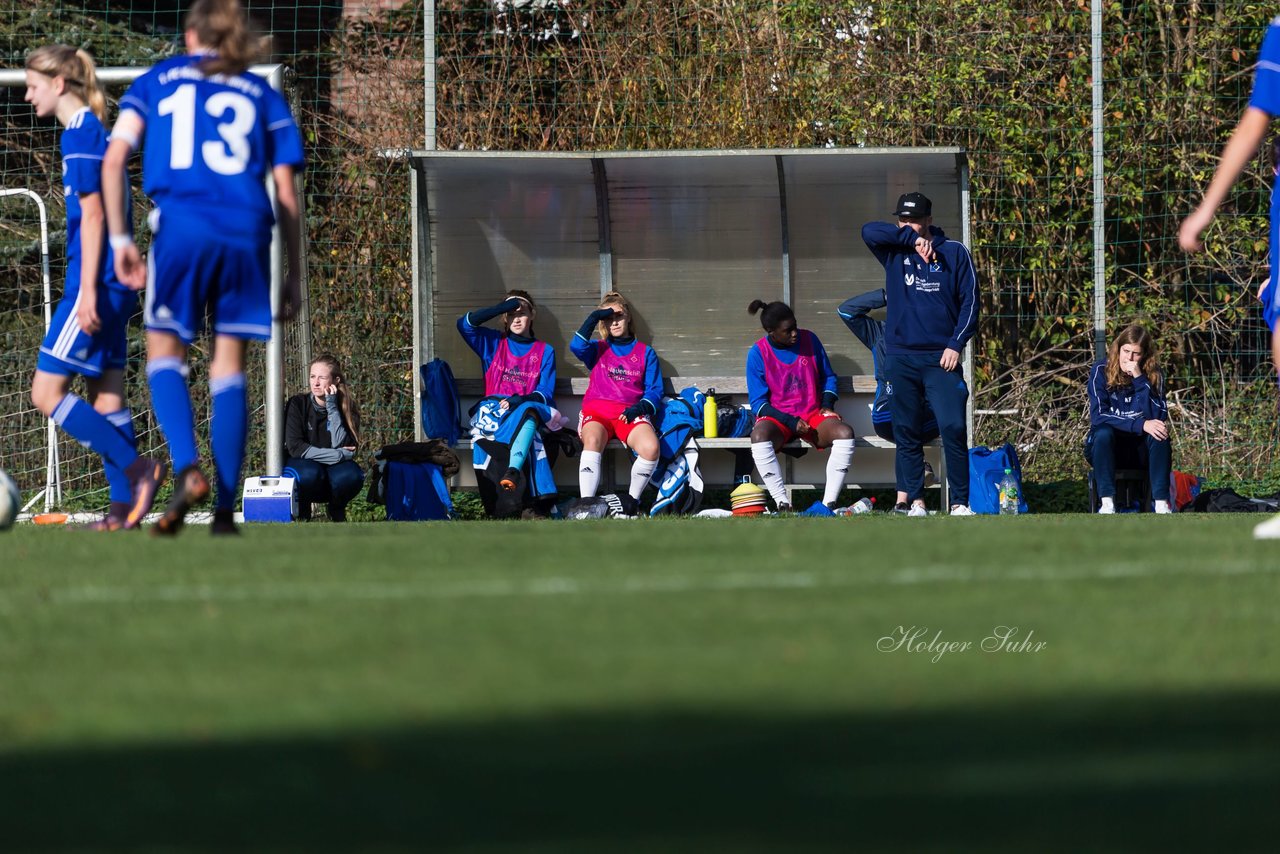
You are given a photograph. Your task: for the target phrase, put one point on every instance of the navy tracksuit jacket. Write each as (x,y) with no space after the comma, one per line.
(932,307)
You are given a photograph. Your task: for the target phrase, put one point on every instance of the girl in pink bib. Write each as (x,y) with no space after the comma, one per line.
(793,393)
(623,392)
(519,369)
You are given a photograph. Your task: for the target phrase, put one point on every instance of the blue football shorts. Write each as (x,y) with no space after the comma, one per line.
(196,265)
(66,348)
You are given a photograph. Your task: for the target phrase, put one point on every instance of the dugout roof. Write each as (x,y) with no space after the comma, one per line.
(690,237)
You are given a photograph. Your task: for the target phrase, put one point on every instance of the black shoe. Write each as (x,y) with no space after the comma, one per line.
(901,508)
(337,514)
(783,508)
(224,523)
(190,487)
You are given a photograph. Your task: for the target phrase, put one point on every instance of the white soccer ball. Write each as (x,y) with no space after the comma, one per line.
(10,501)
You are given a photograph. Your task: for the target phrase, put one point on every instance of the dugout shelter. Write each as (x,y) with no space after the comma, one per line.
(689,237)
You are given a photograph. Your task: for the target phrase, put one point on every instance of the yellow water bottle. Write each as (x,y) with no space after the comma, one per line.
(709,416)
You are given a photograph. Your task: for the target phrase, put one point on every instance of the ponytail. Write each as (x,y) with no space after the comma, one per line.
(350,412)
(772,314)
(89,85)
(221,26)
(78,72)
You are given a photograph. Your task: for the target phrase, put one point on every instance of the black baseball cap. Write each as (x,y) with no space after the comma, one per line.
(913,205)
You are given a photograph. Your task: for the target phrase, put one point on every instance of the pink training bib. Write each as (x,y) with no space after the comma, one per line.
(617,378)
(509,374)
(792,388)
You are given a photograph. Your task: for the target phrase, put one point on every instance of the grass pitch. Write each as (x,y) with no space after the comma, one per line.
(1040,683)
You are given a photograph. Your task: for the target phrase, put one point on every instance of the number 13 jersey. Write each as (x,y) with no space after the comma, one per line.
(210,141)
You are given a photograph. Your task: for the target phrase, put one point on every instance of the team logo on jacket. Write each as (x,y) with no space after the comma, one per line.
(921,284)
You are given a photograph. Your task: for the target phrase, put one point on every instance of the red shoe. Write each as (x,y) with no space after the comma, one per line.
(189,489)
(146,475)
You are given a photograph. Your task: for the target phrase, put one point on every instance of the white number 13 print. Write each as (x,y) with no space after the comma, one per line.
(227,155)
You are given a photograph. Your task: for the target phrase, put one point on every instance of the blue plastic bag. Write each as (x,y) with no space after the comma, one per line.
(416,492)
(986,470)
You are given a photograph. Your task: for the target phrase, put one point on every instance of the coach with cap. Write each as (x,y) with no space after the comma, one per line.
(931,293)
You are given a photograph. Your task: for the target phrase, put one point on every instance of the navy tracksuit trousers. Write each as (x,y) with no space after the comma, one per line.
(917,379)
(1108,448)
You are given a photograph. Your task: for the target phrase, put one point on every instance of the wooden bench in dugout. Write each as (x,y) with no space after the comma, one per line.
(872,466)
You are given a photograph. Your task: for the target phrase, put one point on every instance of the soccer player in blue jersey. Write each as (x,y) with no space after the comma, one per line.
(519,369)
(210,133)
(623,393)
(1264,104)
(88,332)
(792,388)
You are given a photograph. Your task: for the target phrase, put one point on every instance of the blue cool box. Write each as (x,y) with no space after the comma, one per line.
(270,499)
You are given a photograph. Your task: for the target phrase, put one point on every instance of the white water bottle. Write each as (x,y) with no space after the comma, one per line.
(1009,496)
(865,504)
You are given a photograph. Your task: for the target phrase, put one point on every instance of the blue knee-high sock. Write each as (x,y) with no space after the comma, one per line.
(521,443)
(122,420)
(227,434)
(171,401)
(90,428)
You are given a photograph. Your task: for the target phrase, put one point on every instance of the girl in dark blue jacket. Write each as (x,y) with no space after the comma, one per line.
(1128,418)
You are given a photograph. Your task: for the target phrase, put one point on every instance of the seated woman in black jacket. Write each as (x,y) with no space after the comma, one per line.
(321,434)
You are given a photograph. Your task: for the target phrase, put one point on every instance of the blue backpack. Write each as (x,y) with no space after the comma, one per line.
(683,410)
(441,408)
(986,470)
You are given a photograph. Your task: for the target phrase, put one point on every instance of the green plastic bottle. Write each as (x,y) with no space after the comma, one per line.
(1009,497)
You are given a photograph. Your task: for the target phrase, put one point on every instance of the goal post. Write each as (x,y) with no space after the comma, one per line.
(52,491)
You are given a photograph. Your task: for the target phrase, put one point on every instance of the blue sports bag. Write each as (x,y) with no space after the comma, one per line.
(986,470)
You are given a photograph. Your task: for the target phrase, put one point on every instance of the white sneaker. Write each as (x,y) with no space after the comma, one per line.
(1268,530)
(1107,510)
(917,510)
(961,510)
(1163,508)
